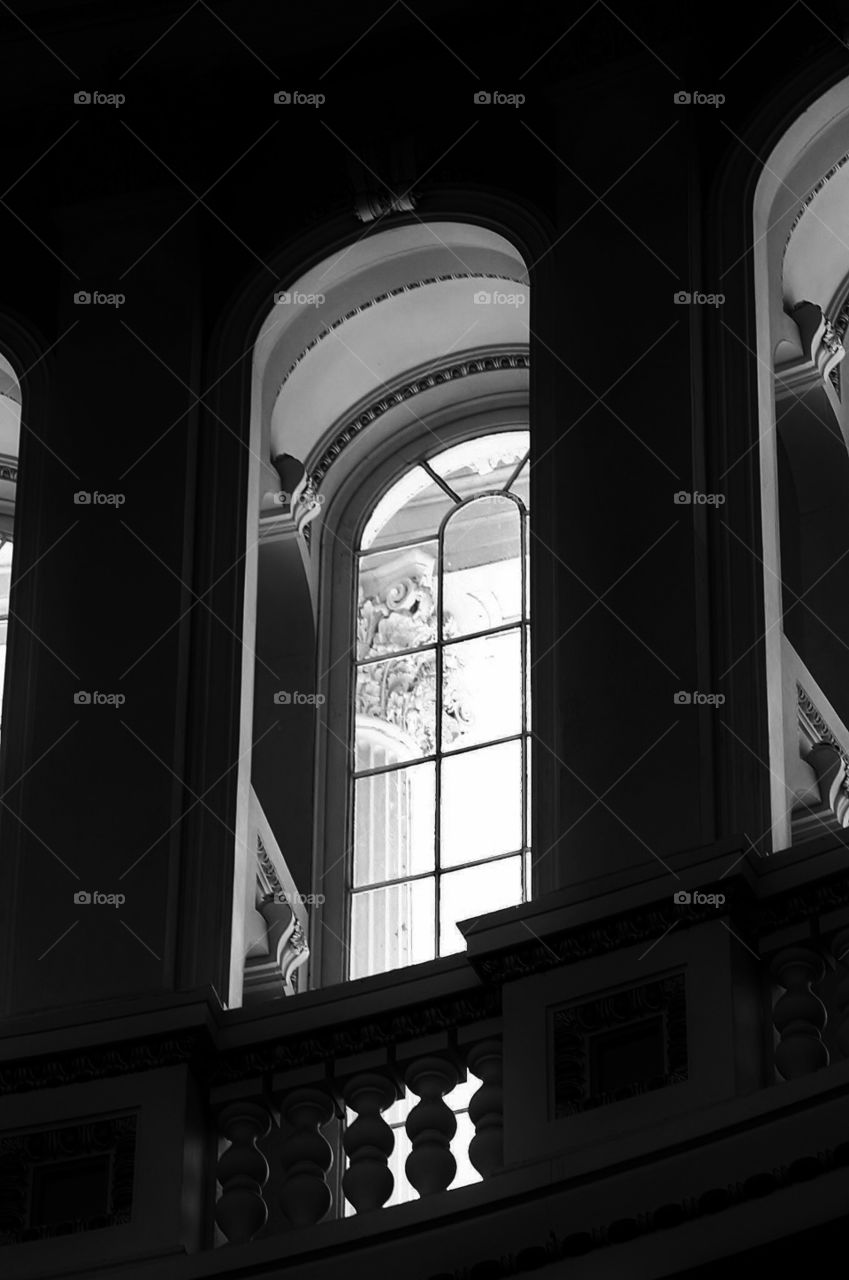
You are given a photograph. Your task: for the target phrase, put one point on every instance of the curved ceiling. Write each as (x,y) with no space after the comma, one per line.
(816,259)
(391,304)
(802,206)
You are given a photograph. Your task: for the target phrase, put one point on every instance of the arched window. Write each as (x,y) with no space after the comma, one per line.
(801,231)
(440,761)
(389,759)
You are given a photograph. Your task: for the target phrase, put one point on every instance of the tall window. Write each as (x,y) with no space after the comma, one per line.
(441,720)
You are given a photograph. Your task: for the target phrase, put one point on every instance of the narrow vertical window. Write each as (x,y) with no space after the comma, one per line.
(441,717)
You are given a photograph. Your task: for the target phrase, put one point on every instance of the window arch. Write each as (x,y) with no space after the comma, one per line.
(439,770)
(801,231)
(400,346)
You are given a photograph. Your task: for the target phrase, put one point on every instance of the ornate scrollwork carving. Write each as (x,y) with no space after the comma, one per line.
(397,610)
(826,756)
(822,351)
(273,973)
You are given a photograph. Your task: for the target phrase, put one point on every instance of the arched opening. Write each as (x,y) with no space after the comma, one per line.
(802,280)
(403,345)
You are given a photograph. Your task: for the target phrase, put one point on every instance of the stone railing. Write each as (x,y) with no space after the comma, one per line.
(809,983)
(306,1144)
(602,1034)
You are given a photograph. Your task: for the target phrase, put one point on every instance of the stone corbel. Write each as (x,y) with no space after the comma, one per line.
(273,973)
(821,352)
(296,503)
(278,944)
(830,767)
(821,749)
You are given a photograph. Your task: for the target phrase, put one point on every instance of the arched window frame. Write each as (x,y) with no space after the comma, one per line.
(241,391)
(343,523)
(798,345)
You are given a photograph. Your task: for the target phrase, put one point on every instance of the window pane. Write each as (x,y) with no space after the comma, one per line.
(396,710)
(471,893)
(481,804)
(392,927)
(394,824)
(482,690)
(528,791)
(396,606)
(482,578)
(413,508)
(487,462)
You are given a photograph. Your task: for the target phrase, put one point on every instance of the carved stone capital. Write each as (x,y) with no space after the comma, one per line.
(822,352)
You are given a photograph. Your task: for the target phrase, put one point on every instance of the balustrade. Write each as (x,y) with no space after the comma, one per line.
(306,1155)
(242,1171)
(486,1109)
(368,1140)
(799,1016)
(431,1124)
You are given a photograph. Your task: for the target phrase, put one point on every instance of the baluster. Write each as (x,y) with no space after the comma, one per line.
(840,951)
(368,1141)
(242,1171)
(306,1155)
(486,1108)
(799,1015)
(431,1124)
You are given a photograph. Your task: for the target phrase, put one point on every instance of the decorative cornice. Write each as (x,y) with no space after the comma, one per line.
(328,1044)
(383,297)
(841,320)
(515,359)
(273,881)
(97,1063)
(814,725)
(601,936)
(797,906)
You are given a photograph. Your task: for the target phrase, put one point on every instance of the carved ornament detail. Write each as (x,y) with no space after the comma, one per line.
(574,1026)
(397,610)
(22,1156)
(826,756)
